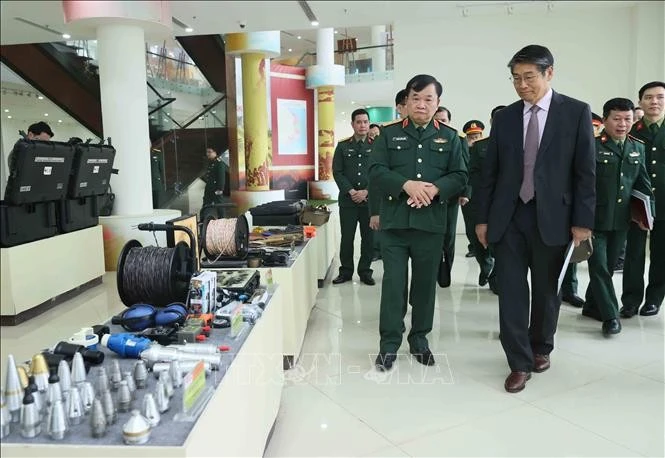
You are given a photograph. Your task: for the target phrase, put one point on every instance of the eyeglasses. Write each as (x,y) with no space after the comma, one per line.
(528,79)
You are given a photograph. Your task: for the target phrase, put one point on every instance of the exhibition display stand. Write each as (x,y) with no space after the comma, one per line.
(237,419)
(27,292)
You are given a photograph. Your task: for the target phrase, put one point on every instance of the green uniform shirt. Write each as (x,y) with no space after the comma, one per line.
(617,174)
(654,146)
(215,177)
(401,153)
(351,168)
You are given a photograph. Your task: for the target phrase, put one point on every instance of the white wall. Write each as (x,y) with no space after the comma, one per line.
(599,53)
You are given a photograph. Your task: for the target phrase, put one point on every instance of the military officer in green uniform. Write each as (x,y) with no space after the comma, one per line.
(651,130)
(375,199)
(619,169)
(418,166)
(350,171)
(157,175)
(477,153)
(214,178)
(443,116)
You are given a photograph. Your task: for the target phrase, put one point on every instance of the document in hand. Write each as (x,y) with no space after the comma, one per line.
(640,209)
(574,255)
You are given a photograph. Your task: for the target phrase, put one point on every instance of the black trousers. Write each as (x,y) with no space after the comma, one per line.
(527,321)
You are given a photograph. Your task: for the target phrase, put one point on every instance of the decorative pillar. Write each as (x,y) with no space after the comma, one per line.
(378,54)
(254,48)
(121,29)
(324,76)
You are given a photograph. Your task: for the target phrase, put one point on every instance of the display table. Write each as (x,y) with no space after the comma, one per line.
(299,284)
(236,421)
(67,264)
(327,242)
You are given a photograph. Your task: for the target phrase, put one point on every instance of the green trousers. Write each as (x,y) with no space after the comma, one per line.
(569,284)
(600,294)
(350,218)
(424,250)
(634,265)
(483,255)
(451,230)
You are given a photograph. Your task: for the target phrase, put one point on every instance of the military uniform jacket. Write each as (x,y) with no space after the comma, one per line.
(215,176)
(617,174)
(351,168)
(401,153)
(655,162)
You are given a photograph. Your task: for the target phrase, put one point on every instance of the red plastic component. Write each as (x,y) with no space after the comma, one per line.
(200,338)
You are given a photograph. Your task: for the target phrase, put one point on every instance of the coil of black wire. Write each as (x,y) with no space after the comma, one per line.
(147,275)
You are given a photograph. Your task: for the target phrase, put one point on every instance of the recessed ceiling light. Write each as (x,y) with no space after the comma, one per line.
(298,37)
(368,106)
(66,36)
(343,112)
(40,97)
(290,50)
(45,114)
(315,23)
(336,31)
(9,117)
(214,111)
(6,110)
(352,102)
(189,30)
(59,120)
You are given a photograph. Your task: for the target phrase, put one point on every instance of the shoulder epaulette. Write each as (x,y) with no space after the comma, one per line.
(461,134)
(346,139)
(635,138)
(391,123)
(481,140)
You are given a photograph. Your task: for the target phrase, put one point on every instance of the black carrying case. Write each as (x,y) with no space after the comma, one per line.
(21,224)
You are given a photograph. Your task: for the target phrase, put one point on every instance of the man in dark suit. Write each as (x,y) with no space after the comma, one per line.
(536,194)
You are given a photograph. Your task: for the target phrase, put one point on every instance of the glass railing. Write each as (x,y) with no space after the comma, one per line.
(370,63)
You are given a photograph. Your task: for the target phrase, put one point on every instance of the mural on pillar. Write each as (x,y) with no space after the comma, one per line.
(291,148)
(326,100)
(292,110)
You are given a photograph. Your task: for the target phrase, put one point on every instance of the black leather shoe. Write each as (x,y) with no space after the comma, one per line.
(628,312)
(649,310)
(368,280)
(574,300)
(340,279)
(384,361)
(595,314)
(424,357)
(610,327)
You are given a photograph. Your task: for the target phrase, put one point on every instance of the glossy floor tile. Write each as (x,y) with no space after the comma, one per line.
(601,397)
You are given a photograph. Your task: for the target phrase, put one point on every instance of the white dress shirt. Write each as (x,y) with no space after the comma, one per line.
(544,105)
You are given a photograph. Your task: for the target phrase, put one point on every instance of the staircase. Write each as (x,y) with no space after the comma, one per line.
(71,81)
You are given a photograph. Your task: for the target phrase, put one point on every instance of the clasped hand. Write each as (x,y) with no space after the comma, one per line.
(358,196)
(421,193)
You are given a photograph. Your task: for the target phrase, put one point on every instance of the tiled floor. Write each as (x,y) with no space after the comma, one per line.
(602,397)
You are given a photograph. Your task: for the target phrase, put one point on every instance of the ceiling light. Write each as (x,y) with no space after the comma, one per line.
(352,102)
(66,36)
(214,111)
(9,117)
(315,23)
(189,30)
(59,120)
(40,97)
(6,110)
(298,37)
(290,50)
(336,31)
(343,112)
(45,114)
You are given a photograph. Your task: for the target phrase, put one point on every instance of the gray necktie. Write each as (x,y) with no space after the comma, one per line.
(527,190)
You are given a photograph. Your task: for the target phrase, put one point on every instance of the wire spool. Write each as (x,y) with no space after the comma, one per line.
(153,275)
(225,238)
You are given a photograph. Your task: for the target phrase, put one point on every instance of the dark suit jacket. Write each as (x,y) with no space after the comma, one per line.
(564,175)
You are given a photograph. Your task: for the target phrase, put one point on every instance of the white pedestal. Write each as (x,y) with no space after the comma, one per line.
(36,273)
